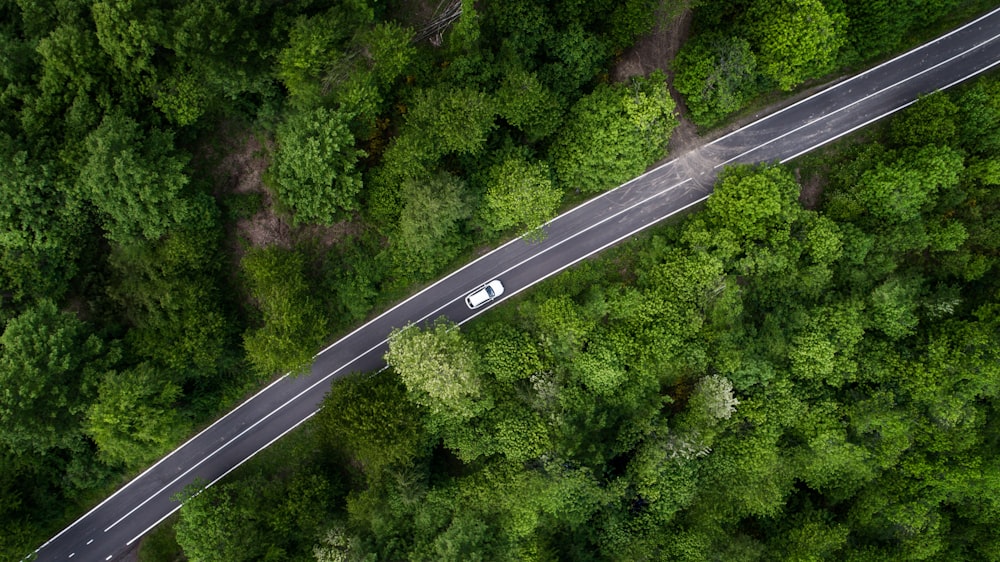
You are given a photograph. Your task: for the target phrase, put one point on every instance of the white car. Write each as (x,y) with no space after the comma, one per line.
(484,294)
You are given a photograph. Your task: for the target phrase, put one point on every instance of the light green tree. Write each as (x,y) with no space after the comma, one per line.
(135,418)
(794,39)
(756,204)
(440,370)
(519,194)
(613,134)
(293,323)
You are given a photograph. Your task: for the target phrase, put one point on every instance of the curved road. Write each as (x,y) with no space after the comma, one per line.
(109,529)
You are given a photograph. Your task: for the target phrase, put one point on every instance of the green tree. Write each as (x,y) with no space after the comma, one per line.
(894,306)
(613,134)
(312,42)
(524,102)
(755,204)
(293,324)
(363,76)
(519,194)
(41,223)
(898,190)
(44,371)
(373,421)
(750,463)
(446,120)
(717,75)
(170,294)
(129,33)
(979,117)
(259,516)
(440,370)
(135,178)
(932,120)
(794,39)
(223,523)
(575,55)
(135,418)
(427,236)
(314,166)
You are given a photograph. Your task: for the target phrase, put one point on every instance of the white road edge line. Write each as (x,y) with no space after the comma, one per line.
(856,76)
(158,463)
(358,356)
(869,96)
(269,443)
(872,120)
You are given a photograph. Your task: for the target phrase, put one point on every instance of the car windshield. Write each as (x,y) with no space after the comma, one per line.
(489,291)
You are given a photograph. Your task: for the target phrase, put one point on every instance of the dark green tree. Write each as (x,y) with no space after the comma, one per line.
(135,178)
(45,358)
(373,421)
(314,166)
(293,325)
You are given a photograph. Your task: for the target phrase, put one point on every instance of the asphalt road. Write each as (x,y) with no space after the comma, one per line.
(111,528)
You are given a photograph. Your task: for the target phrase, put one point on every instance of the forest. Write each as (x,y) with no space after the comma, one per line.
(198,195)
(803,370)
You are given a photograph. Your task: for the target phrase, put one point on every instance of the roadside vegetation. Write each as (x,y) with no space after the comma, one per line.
(195,196)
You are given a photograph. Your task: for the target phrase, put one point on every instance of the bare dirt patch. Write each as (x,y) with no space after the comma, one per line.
(811,195)
(239,166)
(656,51)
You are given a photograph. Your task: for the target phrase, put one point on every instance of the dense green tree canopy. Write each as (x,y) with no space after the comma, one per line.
(716,74)
(519,194)
(438,369)
(314,166)
(795,39)
(293,325)
(44,359)
(428,228)
(761,381)
(613,134)
(135,179)
(134,419)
